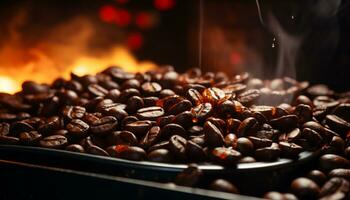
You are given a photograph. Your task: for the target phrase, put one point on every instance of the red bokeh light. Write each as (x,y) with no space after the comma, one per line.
(164,4)
(144,20)
(134,41)
(108,13)
(236,58)
(122,18)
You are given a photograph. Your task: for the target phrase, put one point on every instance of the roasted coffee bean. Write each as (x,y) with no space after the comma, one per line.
(173,129)
(225,156)
(51,124)
(343,111)
(223,186)
(4,128)
(232,125)
(96,150)
(127,93)
(335,188)
(180,107)
(194,96)
(54,141)
(301,99)
(312,136)
(290,150)
(73,112)
(189,176)
(248,127)
(185,119)
(122,137)
(287,122)
(133,104)
(198,140)
(294,134)
(317,176)
(267,154)
(213,95)
(202,111)
(167,102)
(337,124)
(75,148)
(162,121)
(127,120)
(151,88)
(245,146)
(231,140)
(194,151)
(342,173)
(150,101)
(177,146)
(77,128)
(160,145)
(166,93)
(129,152)
(152,136)
(260,142)
(104,125)
(132,83)
(329,162)
(139,128)
(273,195)
(212,135)
(305,188)
(21,126)
(160,155)
(226,108)
(150,113)
(267,111)
(97,90)
(247,159)
(248,97)
(304,113)
(29,138)
(234,88)
(8,139)
(335,146)
(195,130)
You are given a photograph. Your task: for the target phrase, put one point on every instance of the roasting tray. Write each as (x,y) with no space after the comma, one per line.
(273,175)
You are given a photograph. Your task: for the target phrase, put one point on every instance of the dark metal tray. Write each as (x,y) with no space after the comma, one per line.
(265,176)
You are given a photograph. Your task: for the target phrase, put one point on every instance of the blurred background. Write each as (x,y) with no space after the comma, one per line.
(304,39)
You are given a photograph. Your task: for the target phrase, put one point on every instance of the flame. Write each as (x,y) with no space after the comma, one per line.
(64,50)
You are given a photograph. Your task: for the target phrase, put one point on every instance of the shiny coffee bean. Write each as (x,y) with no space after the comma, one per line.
(77,128)
(248,97)
(185,119)
(194,151)
(104,125)
(202,111)
(267,154)
(248,127)
(151,88)
(139,128)
(177,146)
(150,113)
(54,141)
(73,112)
(122,137)
(127,152)
(305,188)
(30,138)
(189,176)
(230,140)
(173,129)
(194,96)
(287,122)
(152,136)
(75,148)
(290,150)
(329,162)
(133,104)
(96,150)
(225,156)
(180,107)
(342,173)
(223,186)
(260,142)
(337,124)
(212,135)
(335,188)
(245,146)
(317,176)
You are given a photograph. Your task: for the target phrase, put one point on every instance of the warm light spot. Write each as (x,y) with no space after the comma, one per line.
(108,13)
(236,58)
(145,20)
(134,41)
(8,85)
(164,4)
(122,18)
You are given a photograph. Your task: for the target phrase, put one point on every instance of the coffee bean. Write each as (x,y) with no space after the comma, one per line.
(301,99)
(173,129)
(164,120)
(342,173)
(4,128)
(267,154)
(273,195)
(304,113)
(150,113)
(194,96)
(152,136)
(104,125)
(132,83)
(97,90)
(73,112)
(305,188)
(51,124)
(180,107)
(290,150)
(127,93)
(223,186)
(232,125)
(139,128)
(202,111)
(343,111)
(213,95)
(212,135)
(96,150)
(248,97)
(329,162)
(247,159)
(335,188)
(133,104)
(185,119)
(177,146)
(225,156)
(160,155)
(245,146)
(160,145)
(189,176)
(122,137)
(29,138)
(260,142)
(54,141)
(77,128)
(312,136)
(337,124)
(194,151)
(151,88)
(288,122)
(166,93)
(75,148)
(231,140)
(129,152)
(8,140)
(317,176)
(248,127)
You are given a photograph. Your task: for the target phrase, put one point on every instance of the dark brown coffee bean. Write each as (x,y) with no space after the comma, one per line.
(189,176)
(294,134)
(202,111)
(267,111)
(329,162)
(97,90)
(8,140)
(234,88)
(342,173)
(166,93)
(343,111)
(127,120)
(180,107)
(194,96)
(317,176)
(139,128)
(273,195)
(290,150)
(152,136)
(267,154)
(54,141)
(231,140)
(104,125)
(195,130)
(127,93)
(160,145)
(248,97)
(304,113)
(150,113)
(4,128)
(248,127)
(23,126)
(260,142)
(312,136)
(301,99)
(73,112)
(133,104)
(232,125)
(173,129)
(305,188)
(96,150)
(129,152)
(213,95)
(212,135)
(150,101)
(122,137)
(223,186)
(335,188)
(160,155)
(287,122)
(194,151)
(162,121)
(177,146)
(225,156)
(75,148)
(77,128)
(185,119)
(247,159)
(151,88)
(132,83)
(51,124)
(337,124)
(29,138)
(245,146)
(226,108)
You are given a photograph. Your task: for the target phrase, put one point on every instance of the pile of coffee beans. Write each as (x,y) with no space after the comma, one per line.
(164,116)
